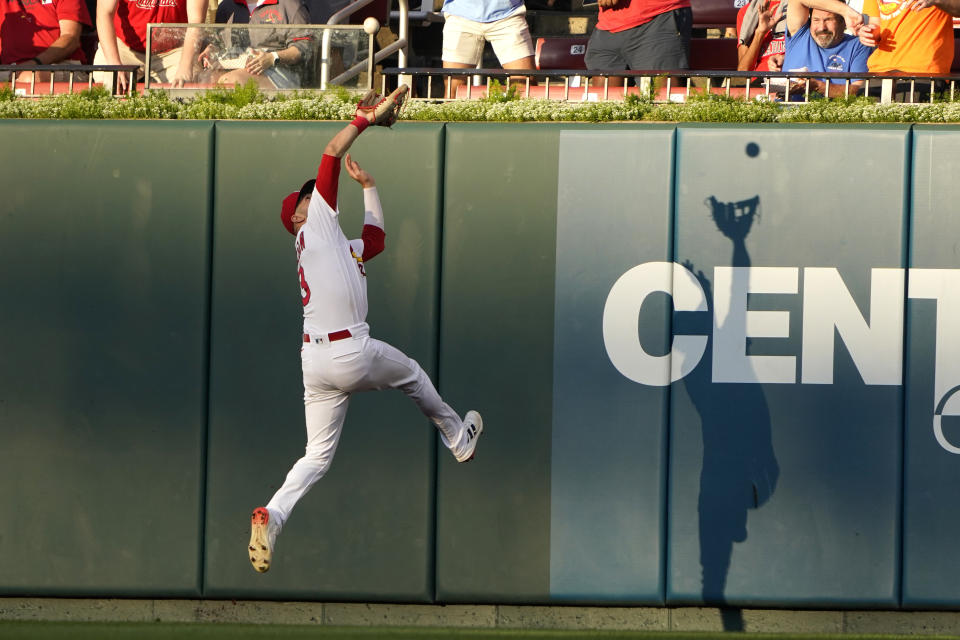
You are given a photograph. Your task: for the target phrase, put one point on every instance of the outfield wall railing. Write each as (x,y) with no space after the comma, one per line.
(673,86)
(716,365)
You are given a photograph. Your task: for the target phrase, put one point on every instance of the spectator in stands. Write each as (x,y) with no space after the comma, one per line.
(122,29)
(36,32)
(274,59)
(470,24)
(816,42)
(912,36)
(760,33)
(641,34)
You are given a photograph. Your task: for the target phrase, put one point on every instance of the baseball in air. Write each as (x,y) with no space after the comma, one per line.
(371,25)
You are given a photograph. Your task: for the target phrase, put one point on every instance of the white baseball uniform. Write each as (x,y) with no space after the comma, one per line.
(339,357)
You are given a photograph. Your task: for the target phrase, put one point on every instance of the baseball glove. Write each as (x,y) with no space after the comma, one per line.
(385,110)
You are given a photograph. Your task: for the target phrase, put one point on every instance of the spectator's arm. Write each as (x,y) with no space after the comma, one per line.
(106,32)
(263,60)
(289,56)
(196,14)
(298,41)
(747,55)
(798,13)
(835,90)
(61,48)
(850,15)
(950,6)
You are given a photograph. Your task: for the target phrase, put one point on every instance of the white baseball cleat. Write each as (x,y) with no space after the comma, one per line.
(473,427)
(263,535)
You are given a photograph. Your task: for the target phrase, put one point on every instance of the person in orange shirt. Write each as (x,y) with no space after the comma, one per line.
(910,36)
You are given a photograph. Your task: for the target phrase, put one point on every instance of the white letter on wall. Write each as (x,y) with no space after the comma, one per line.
(733,324)
(621,318)
(942,285)
(876,348)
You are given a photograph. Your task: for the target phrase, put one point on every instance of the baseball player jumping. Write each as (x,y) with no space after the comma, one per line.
(338,355)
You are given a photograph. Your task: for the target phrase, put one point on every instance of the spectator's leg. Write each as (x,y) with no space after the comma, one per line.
(662,43)
(126,57)
(512,44)
(163,66)
(242,77)
(462,48)
(604,53)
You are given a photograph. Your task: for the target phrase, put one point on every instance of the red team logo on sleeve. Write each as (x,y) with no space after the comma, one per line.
(359,262)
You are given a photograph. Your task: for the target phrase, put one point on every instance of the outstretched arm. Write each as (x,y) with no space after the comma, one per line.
(342,141)
(373,234)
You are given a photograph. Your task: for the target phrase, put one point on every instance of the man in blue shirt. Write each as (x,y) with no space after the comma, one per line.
(816,42)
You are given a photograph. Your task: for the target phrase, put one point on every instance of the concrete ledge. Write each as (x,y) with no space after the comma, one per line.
(904,622)
(411,615)
(679,619)
(580,618)
(756,620)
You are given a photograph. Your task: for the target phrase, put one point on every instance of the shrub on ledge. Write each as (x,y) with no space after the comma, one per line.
(248,103)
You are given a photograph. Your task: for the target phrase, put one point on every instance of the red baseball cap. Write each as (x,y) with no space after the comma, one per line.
(286,210)
(289,205)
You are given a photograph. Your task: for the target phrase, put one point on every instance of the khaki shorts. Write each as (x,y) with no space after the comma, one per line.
(162,66)
(463,39)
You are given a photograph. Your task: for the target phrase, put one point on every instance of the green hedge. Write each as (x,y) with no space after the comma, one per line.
(247,103)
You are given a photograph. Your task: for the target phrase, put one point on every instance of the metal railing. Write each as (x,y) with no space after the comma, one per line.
(78,75)
(678,86)
(401,46)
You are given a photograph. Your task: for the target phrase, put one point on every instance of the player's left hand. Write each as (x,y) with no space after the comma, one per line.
(920,5)
(358,173)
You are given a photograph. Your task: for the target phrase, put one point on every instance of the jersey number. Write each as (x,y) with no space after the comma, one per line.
(304,289)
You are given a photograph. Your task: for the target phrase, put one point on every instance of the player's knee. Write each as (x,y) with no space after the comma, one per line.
(319,459)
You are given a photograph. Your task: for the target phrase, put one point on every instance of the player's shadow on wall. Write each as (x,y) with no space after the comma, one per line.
(740,469)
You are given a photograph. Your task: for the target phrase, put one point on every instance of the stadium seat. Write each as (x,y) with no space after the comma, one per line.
(711,14)
(561,52)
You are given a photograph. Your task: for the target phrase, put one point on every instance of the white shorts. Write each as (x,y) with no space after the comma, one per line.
(463,39)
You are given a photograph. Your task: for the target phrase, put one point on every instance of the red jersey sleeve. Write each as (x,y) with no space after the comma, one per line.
(373,240)
(328,177)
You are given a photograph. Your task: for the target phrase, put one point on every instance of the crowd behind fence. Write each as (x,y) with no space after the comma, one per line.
(345,55)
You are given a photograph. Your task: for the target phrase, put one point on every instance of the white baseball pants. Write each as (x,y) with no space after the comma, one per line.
(333,371)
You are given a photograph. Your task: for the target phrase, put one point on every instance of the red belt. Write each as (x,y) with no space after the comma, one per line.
(328,337)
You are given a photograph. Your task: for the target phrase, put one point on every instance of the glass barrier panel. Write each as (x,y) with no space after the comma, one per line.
(229,54)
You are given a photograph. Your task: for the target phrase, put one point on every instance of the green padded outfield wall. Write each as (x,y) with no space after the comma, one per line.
(507,529)
(716,364)
(785,450)
(104,236)
(932,445)
(365,531)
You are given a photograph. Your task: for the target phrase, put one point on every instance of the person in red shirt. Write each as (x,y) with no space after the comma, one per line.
(36,32)
(761,47)
(122,29)
(642,35)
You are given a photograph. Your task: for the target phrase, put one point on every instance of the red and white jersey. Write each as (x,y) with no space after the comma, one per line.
(333,280)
